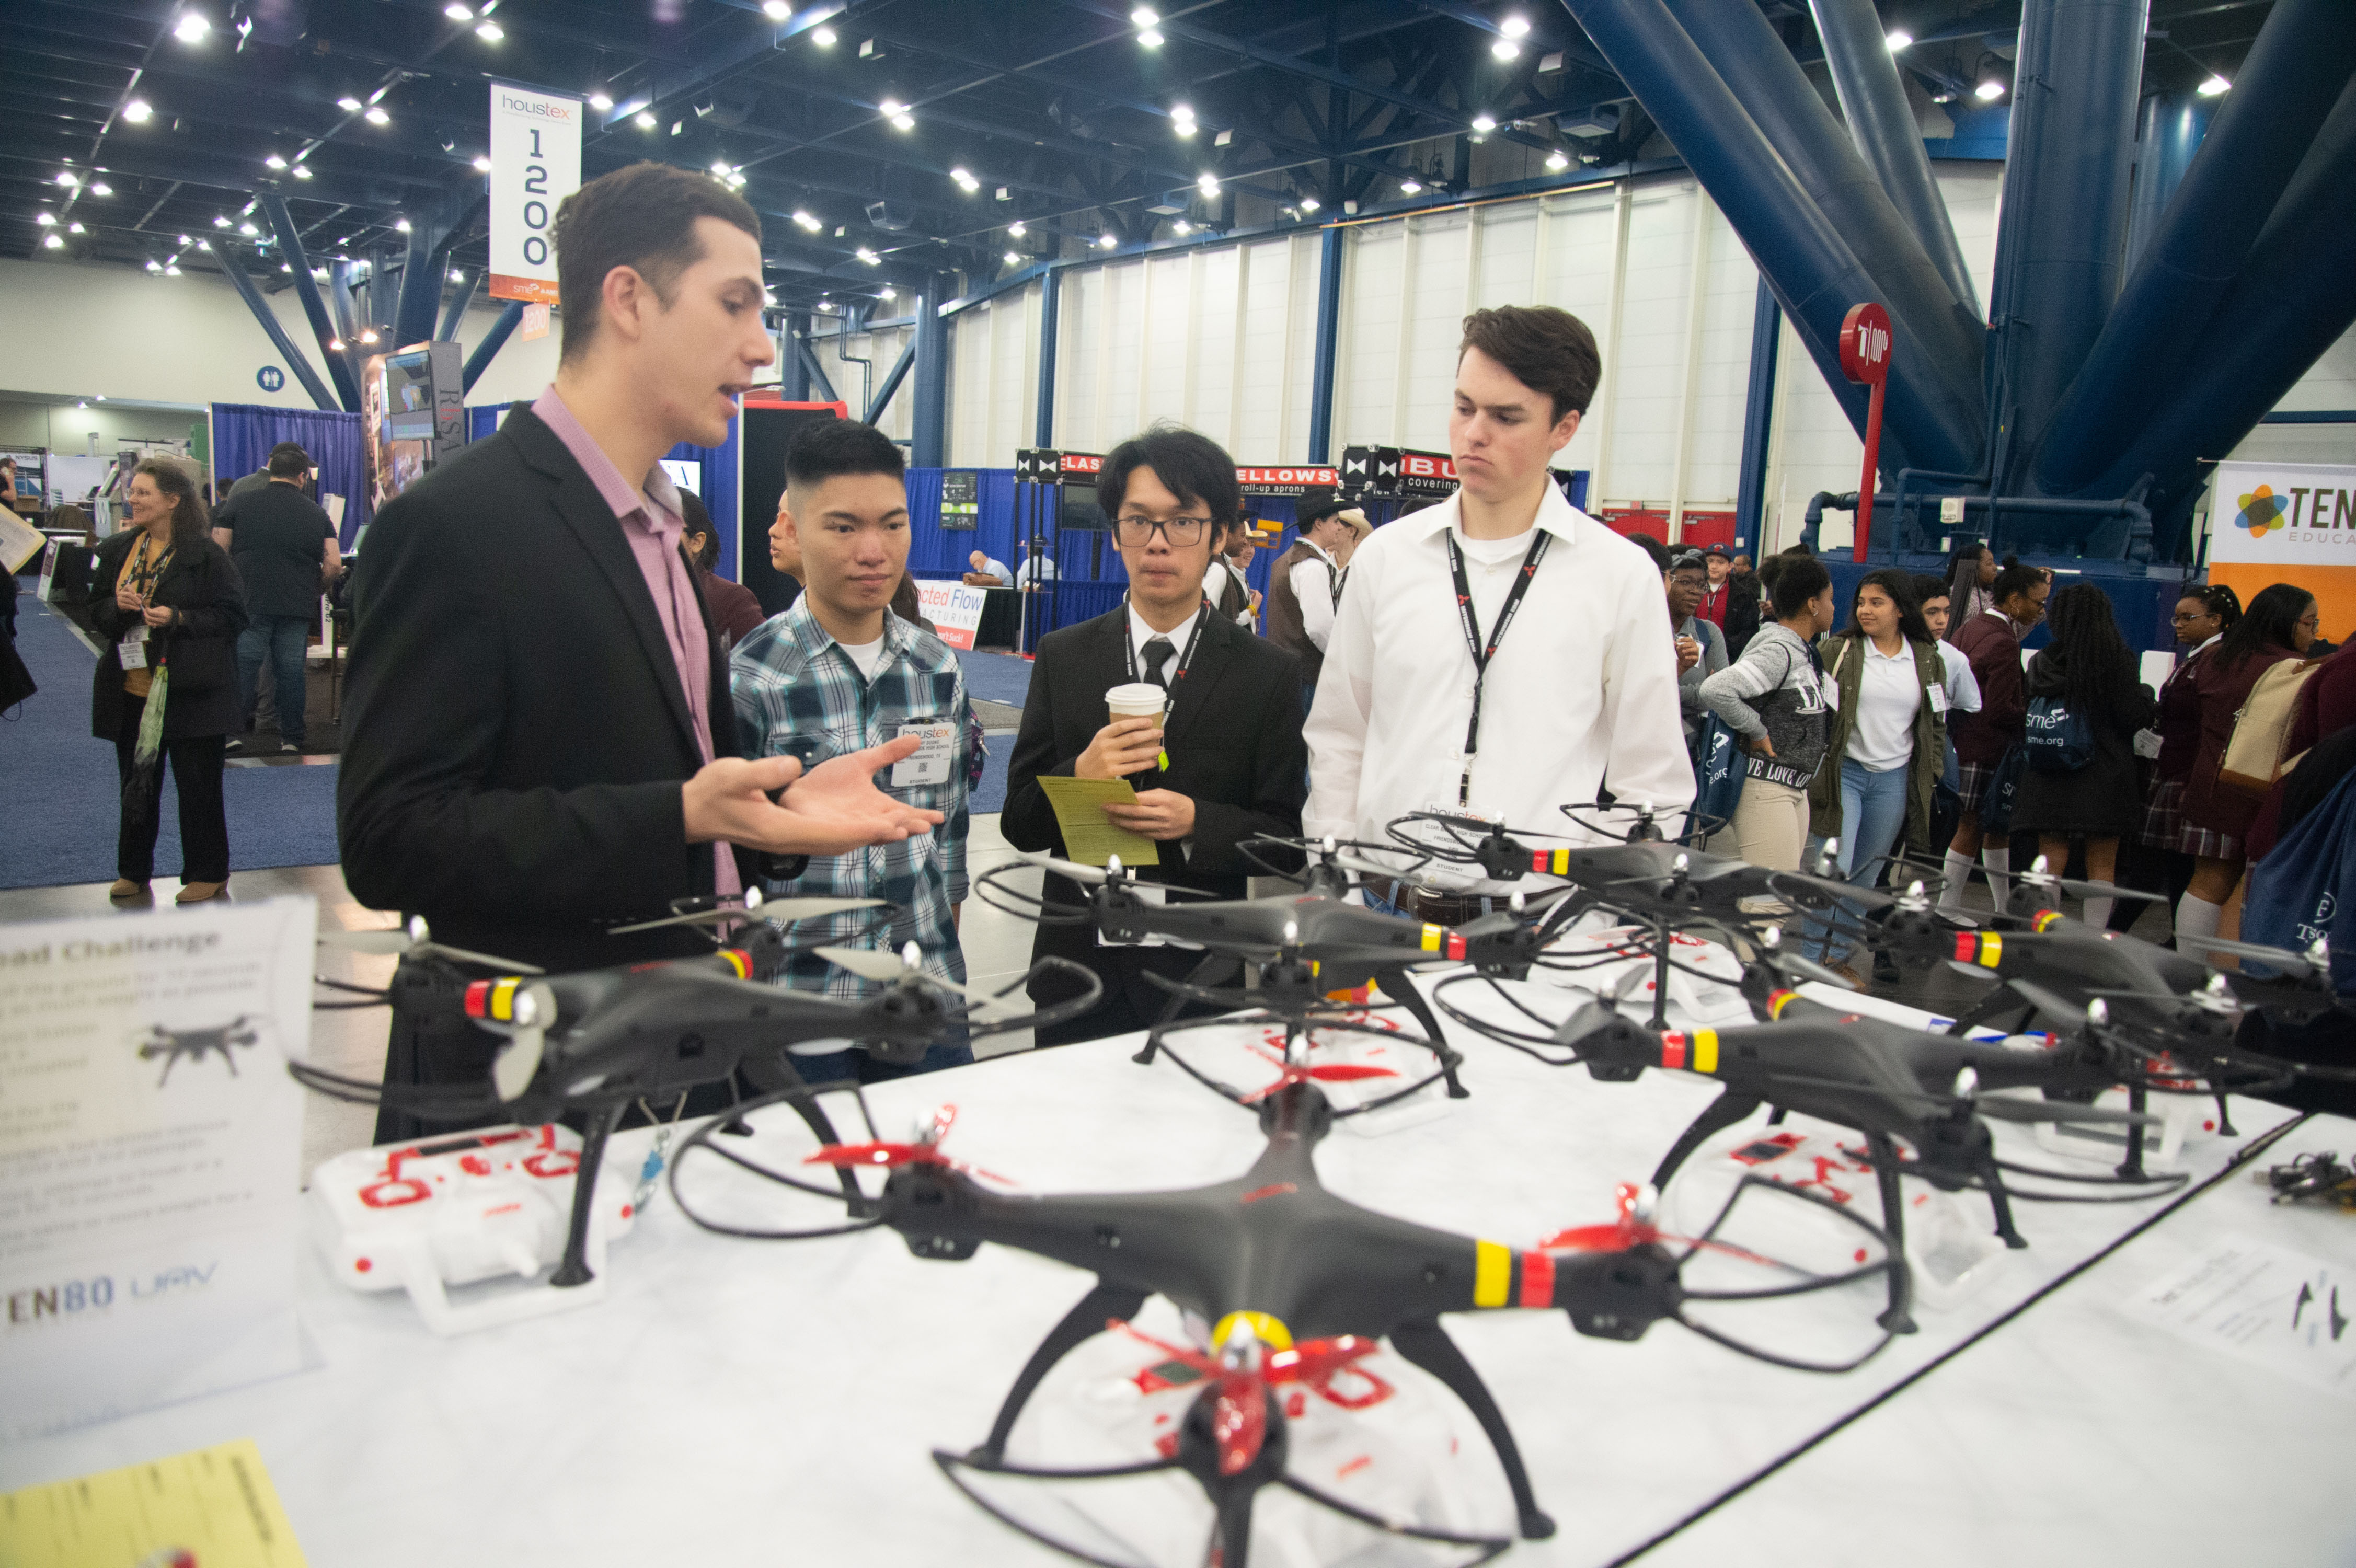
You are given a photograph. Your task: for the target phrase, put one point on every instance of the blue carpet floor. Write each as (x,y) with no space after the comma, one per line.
(59,781)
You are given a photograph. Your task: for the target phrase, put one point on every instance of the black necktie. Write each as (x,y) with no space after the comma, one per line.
(1159,651)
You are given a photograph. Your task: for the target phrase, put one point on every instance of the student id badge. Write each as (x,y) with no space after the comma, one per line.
(132,650)
(1938,696)
(936,750)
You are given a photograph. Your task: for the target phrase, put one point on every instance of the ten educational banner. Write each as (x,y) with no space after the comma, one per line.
(953,608)
(2288,522)
(535,164)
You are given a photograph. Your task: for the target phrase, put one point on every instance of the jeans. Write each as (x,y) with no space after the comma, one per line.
(196,764)
(279,639)
(1873,813)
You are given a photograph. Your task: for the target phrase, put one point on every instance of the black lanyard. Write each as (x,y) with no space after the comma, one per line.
(1483,654)
(142,575)
(1128,651)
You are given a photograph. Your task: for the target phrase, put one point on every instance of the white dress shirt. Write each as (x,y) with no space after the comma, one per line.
(1037,569)
(1313,585)
(1963,687)
(1140,633)
(1583,689)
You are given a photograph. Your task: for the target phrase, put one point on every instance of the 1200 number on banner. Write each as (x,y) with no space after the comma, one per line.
(535,164)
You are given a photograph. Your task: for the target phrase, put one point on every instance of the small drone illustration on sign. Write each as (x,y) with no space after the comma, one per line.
(173,1044)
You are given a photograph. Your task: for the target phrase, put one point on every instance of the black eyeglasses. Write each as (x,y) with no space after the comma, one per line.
(1138,532)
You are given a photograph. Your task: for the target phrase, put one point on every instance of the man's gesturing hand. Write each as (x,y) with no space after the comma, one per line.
(835,808)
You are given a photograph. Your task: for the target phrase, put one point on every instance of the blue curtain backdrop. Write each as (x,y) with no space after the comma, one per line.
(717,488)
(244,434)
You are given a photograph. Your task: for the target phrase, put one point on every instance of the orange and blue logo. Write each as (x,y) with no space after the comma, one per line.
(2261,510)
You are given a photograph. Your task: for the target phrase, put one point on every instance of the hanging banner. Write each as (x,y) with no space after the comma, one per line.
(953,608)
(2286,522)
(150,1157)
(535,164)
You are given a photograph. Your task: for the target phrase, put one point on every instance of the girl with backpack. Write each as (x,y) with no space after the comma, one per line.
(2085,708)
(2278,625)
(1888,739)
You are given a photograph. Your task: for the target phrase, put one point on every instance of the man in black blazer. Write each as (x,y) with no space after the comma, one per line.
(540,742)
(1232,733)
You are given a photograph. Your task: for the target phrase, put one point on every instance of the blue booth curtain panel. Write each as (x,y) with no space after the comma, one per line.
(244,434)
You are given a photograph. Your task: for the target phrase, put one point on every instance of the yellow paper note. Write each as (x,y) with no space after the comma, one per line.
(209,1506)
(1090,835)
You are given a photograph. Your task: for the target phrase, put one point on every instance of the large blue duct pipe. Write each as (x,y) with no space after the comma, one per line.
(2062,230)
(1328,346)
(489,348)
(929,427)
(1815,276)
(2295,74)
(1881,123)
(1051,295)
(2292,300)
(1742,47)
(2169,130)
(1758,418)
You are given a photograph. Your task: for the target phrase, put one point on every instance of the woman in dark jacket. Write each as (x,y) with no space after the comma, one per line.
(165,597)
(2202,615)
(2278,625)
(2089,670)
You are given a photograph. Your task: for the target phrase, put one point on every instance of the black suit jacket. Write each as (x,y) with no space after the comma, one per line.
(201,650)
(1234,741)
(516,734)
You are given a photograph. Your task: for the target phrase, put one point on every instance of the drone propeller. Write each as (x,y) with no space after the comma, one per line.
(754,908)
(1328,1073)
(1773,954)
(885,1154)
(532,1010)
(1241,1380)
(415,938)
(1086,876)
(2315,961)
(905,967)
(2038,874)
(1634,1228)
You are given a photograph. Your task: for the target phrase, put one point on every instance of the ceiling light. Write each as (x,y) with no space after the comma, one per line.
(376,115)
(274,161)
(1207,183)
(1182,228)
(482,164)
(320,274)
(459,12)
(966,180)
(1555,162)
(1151,38)
(402,225)
(184,239)
(171,270)
(368,335)
(1145,16)
(102,188)
(154,265)
(736,179)
(102,397)
(192,27)
(204,244)
(458,277)
(600,103)
(51,241)
(806,221)
(285,268)
(1990,90)
(1506,49)
(1485,124)
(1514,27)
(137,111)
(2213,86)
(219,222)
(302,171)
(335,346)
(45,218)
(1013,259)
(775,10)
(644,121)
(1184,127)
(1411,187)
(1017,228)
(348,104)
(247,230)
(76,229)
(823,37)
(68,179)
(897,113)
(1107,241)
(889,293)
(491,32)
(1898,39)
(870,257)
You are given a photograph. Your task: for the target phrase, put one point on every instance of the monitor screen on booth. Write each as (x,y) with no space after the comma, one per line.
(408,398)
(1079,509)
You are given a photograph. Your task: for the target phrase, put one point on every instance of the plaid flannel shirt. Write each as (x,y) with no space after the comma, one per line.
(799,694)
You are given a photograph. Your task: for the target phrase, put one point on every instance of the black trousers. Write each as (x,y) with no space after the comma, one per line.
(196,764)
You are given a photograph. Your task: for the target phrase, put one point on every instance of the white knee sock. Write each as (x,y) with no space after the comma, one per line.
(1957,869)
(2196,918)
(2096,912)
(1997,863)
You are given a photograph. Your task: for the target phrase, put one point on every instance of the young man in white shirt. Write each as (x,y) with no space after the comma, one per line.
(1573,688)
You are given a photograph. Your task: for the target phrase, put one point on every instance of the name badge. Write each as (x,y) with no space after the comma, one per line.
(132,650)
(1938,695)
(935,750)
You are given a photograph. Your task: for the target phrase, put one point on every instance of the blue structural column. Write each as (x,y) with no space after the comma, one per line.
(1051,294)
(456,316)
(928,432)
(296,360)
(2061,234)
(420,289)
(890,384)
(793,376)
(813,373)
(1329,339)
(488,349)
(1758,414)
(314,310)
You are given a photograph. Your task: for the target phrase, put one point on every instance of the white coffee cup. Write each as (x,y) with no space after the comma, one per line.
(1137,699)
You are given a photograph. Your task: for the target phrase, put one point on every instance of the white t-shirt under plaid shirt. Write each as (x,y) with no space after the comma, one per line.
(799,694)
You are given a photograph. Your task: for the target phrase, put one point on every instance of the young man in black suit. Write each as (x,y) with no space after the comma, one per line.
(1232,733)
(541,743)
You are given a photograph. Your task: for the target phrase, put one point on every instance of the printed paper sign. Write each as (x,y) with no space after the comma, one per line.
(2285,515)
(535,164)
(150,1157)
(953,608)
(2263,1304)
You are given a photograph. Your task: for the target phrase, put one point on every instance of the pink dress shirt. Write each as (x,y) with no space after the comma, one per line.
(651,523)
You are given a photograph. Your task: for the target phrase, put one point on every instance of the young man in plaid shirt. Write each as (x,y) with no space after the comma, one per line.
(839,667)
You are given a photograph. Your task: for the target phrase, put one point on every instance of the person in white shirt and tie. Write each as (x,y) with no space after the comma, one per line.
(1500,653)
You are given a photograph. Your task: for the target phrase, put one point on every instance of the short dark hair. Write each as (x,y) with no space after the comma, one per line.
(2014,579)
(827,449)
(1546,349)
(289,461)
(1654,548)
(1793,581)
(1927,587)
(642,217)
(1191,467)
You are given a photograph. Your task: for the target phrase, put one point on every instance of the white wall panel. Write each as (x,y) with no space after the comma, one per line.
(993,380)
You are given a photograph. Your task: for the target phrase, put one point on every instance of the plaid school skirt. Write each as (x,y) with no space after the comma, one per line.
(2163,814)
(1972,781)
(2195,840)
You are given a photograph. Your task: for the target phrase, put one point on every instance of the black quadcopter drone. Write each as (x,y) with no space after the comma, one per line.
(176,1045)
(1298,1283)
